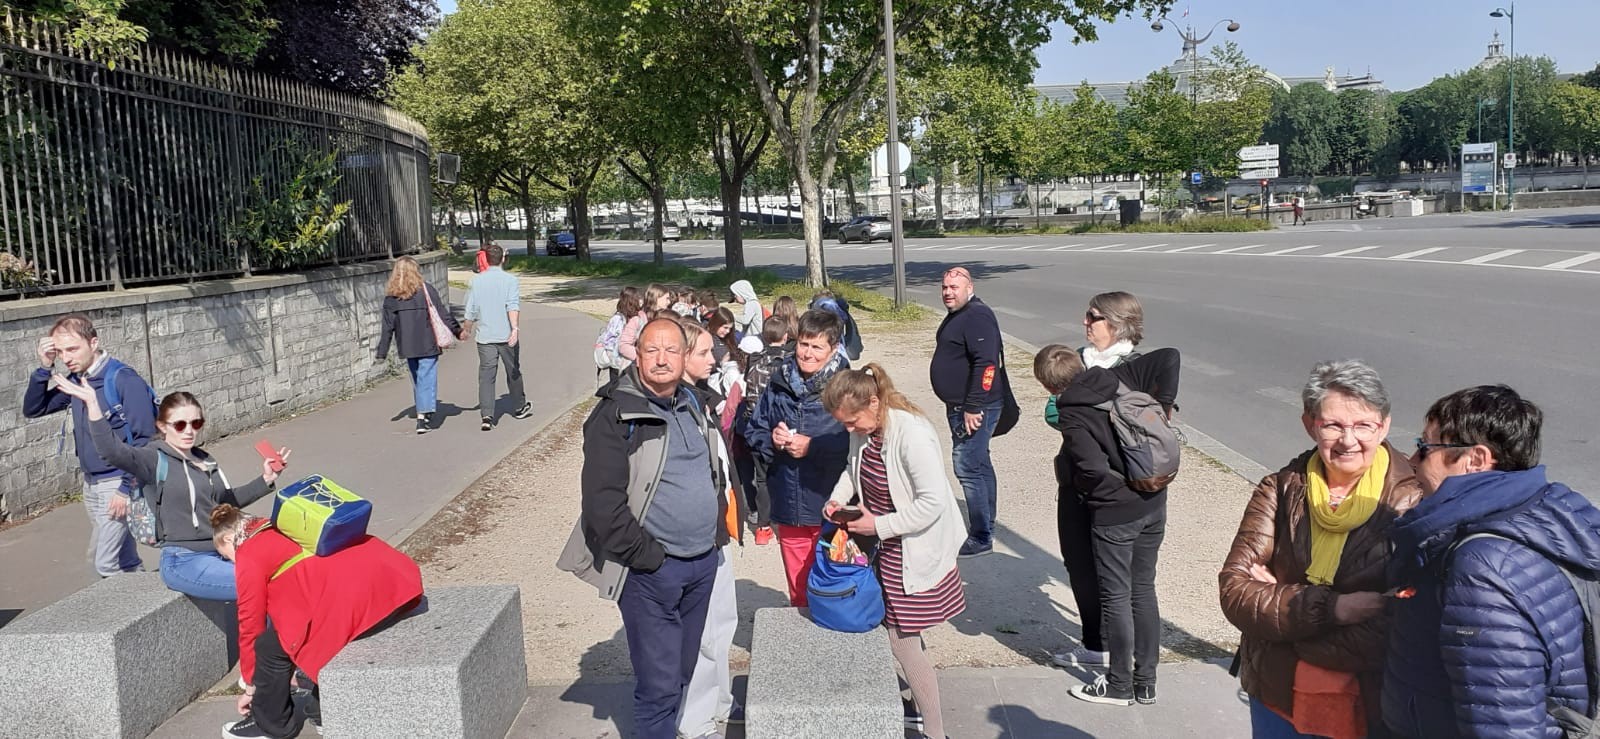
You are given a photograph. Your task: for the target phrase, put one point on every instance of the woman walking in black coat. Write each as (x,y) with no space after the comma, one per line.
(407,304)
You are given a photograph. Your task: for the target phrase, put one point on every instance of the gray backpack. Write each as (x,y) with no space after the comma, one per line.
(1150,446)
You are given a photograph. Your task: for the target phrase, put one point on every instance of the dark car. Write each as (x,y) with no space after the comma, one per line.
(561,243)
(866,228)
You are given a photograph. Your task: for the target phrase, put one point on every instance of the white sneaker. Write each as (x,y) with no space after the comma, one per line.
(1082,656)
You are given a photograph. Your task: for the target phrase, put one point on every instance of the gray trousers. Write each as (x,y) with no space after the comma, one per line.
(490,357)
(111,548)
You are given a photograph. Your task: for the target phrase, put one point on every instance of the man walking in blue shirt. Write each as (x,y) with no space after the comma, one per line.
(493,308)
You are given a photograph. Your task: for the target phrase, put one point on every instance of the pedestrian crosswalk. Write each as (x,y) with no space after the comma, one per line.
(1550,260)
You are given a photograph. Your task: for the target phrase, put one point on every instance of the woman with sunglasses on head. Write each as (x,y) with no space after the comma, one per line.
(183,498)
(1305,577)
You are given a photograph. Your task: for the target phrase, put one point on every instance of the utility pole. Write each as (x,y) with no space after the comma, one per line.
(1511,104)
(896,218)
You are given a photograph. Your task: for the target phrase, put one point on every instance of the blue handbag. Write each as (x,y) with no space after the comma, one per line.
(843,596)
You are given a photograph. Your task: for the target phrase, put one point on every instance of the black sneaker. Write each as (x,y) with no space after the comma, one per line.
(970,550)
(523,412)
(424,424)
(914,721)
(1100,691)
(247,728)
(487,425)
(1144,695)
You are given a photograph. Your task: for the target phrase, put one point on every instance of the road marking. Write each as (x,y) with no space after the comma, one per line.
(1029,246)
(1146,246)
(1064,247)
(1282,395)
(959,248)
(1104,246)
(1237,249)
(926,248)
(1573,262)
(1205,368)
(1290,250)
(1024,315)
(1347,252)
(1487,258)
(992,248)
(1420,252)
(1187,248)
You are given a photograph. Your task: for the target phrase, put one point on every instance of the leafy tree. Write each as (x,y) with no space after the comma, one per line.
(1157,127)
(1577,108)
(1234,103)
(1304,123)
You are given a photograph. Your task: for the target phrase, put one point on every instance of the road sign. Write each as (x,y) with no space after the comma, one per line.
(1258,163)
(880,159)
(1252,174)
(1195,178)
(1509,161)
(1264,151)
(1477,167)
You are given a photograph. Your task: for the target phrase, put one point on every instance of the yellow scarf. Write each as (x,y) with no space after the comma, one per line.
(1330,527)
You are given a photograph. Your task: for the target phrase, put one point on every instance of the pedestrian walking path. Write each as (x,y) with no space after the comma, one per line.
(367,443)
(1194,699)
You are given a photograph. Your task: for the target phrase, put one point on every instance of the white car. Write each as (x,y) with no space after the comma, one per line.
(669,232)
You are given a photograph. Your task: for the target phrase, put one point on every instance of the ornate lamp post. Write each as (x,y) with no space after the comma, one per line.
(1511,102)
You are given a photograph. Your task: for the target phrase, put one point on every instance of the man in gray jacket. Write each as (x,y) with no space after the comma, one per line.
(652,520)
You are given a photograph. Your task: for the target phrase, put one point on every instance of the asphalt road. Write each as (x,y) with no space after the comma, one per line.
(1435,303)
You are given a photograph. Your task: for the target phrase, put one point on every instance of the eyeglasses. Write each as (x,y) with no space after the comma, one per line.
(1092,317)
(1424,447)
(182,426)
(1364,431)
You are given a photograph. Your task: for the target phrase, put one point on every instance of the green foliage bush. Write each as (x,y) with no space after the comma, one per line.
(297,224)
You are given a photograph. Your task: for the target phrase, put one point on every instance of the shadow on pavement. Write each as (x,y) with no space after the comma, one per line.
(7,615)
(441,412)
(1019,722)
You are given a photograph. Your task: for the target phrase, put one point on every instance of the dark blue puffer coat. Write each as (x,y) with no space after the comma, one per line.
(1491,634)
(799,487)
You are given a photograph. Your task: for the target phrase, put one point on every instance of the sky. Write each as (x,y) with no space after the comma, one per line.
(1405,43)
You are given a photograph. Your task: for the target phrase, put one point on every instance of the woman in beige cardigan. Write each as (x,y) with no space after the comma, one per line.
(897,476)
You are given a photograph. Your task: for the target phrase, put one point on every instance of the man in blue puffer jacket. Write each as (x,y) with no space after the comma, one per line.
(804,446)
(1493,629)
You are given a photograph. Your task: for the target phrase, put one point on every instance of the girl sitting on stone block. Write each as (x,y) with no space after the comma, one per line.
(318,604)
(181,497)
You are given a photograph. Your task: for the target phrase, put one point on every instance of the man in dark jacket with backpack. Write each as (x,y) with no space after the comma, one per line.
(1487,635)
(130,409)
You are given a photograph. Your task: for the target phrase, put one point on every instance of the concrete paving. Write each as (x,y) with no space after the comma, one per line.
(1193,699)
(367,443)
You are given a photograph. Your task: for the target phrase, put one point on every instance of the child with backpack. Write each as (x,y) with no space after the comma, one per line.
(181,485)
(1109,511)
(302,616)
(621,332)
(758,373)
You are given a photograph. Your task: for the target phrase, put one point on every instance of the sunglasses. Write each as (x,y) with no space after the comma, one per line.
(1424,447)
(182,426)
(1092,317)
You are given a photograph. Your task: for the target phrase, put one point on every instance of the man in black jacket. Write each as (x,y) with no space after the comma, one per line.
(1126,526)
(966,375)
(652,520)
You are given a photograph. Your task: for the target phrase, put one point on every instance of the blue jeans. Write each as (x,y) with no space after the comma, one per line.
(204,575)
(664,614)
(1264,724)
(425,383)
(976,472)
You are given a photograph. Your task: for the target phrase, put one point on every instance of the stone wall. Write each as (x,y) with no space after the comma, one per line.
(251,349)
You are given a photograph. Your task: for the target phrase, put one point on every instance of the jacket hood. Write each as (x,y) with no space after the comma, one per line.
(1093,387)
(1523,506)
(743,289)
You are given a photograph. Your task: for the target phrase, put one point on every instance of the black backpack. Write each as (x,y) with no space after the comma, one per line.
(1574,724)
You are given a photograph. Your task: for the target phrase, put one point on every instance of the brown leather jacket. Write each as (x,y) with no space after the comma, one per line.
(1293,620)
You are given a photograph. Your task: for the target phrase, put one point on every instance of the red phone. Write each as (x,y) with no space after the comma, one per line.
(264,448)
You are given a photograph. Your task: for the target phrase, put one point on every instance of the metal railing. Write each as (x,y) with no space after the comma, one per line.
(144,169)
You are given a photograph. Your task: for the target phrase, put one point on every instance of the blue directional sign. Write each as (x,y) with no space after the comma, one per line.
(1195,178)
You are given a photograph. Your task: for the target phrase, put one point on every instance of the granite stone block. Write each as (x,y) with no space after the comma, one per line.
(454,668)
(808,681)
(115,659)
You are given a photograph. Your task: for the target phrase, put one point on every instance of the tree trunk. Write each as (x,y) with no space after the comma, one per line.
(788,206)
(578,209)
(529,234)
(658,204)
(733,227)
(849,198)
(1034,201)
(938,198)
(980,193)
(811,215)
(478,196)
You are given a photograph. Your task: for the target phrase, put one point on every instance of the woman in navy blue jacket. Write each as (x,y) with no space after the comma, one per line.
(804,445)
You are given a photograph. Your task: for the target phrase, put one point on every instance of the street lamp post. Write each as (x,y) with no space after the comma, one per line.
(1191,49)
(1511,103)
(896,222)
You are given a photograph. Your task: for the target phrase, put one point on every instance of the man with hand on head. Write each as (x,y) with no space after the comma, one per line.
(966,375)
(106,489)
(650,529)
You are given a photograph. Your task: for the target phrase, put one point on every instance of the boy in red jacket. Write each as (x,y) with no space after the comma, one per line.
(320,604)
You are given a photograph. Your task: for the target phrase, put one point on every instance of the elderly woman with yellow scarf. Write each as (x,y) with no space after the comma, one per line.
(1304,580)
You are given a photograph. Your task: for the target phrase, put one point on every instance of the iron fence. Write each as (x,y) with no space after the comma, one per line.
(154,167)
